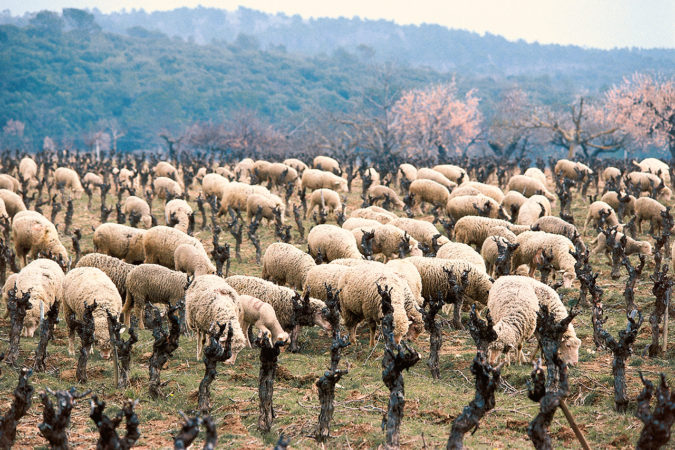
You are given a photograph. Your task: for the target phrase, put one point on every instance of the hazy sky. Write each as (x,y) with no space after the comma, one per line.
(590,23)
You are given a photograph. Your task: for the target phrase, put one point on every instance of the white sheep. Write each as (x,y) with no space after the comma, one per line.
(533,243)
(512,202)
(164,187)
(69,179)
(120,241)
(453,173)
(323,198)
(333,242)
(488,190)
(648,209)
(473,230)
(421,230)
(534,207)
(160,243)
(529,187)
(317,179)
(13,202)
(192,260)
(387,241)
(180,212)
(261,315)
(537,174)
(138,206)
(380,193)
(461,252)
(430,174)
(594,213)
(632,246)
(373,213)
(429,191)
(33,233)
(43,279)
(467,205)
(285,264)
(327,163)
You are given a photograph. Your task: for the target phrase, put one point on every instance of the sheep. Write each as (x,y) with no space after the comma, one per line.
(487,190)
(452,173)
(33,233)
(3,211)
(116,269)
(120,241)
(92,180)
(13,202)
(318,277)
(596,210)
(535,207)
(267,203)
(82,287)
(612,199)
(473,230)
(333,242)
(361,301)
(28,169)
(490,251)
(165,187)
(165,169)
(213,183)
(209,301)
(408,272)
(68,178)
(192,260)
(160,244)
(357,222)
(260,169)
(296,164)
(529,187)
(430,192)
(611,174)
(317,179)
(138,206)
(235,195)
(9,182)
(285,264)
(648,209)
(152,283)
(178,211)
(537,174)
(461,252)
(43,279)
(125,177)
(373,174)
(421,230)
(461,191)
(512,202)
(655,166)
(459,207)
(282,300)
(569,169)
(435,280)
(324,199)
(532,243)
(513,306)
(226,173)
(262,316)
(279,174)
(381,193)
(556,225)
(387,240)
(327,163)
(430,174)
(243,169)
(407,172)
(373,213)
(632,246)
(645,181)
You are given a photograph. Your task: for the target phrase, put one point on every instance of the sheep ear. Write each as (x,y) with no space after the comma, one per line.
(507,348)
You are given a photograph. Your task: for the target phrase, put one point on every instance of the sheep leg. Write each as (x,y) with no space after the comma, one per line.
(126,309)
(294,339)
(200,342)
(373,330)
(246,328)
(71,330)
(139,305)
(588,220)
(532,269)
(262,329)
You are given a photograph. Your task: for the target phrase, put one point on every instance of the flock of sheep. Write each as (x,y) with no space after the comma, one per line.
(369,246)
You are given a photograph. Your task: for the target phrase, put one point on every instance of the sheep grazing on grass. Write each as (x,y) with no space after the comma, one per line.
(357,222)
(324,199)
(213,184)
(570,169)
(160,244)
(421,230)
(556,225)
(280,174)
(260,315)
(612,199)
(467,205)
(533,243)
(512,202)
(407,173)
(487,190)
(461,252)
(373,213)
(116,269)
(333,242)
(164,187)
(152,283)
(387,241)
(596,211)
(13,202)
(120,241)
(535,207)
(33,233)
(611,174)
(210,300)
(179,212)
(473,230)
(296,164)
(632,246)
(285,264)
(326,163)
(84,286)
(537,174)
(430,174)
(9,182)
(452,173)
(317,179)
(43,279)
(243,169)
(68,179)
(655,166)
(648,209)
(647,181)
(235,195)
(28,170)
(429,191)
(267,204)
(499,236)
(166,170)
(529,187)
(138,206)
(380,193)
(192,260)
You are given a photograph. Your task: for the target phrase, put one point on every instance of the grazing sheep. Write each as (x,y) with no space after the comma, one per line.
(192,260)
(28,169)
(373,174)
(326,163)
(487,190)
(82,287)
(243,169)
(210,301)
(333,242)
(179,211)
(490,251)
(296,164)
(267,203)
(213,184)
(535,207)
(655,166)
(466,205)
(318,277)
(324,199)
(556,225)
(9,182)
(116,269)
(421,230)
(317,179)
(33,233)
(280,174)
(160,244)
(281,299)
(262,316)
(537,174)
(596,210)
(532,243)
(235,195)
(429,191)
(10,283)
(13,202)
(435,280)
(285,264)
(645,181)
(408,272)
(513,306)
(473,230)
(125,177)
(380,193)
(452,173)
(461,191)
(373,213)
(166,170)
(648,209)
(138,206)
(152,283)
(120,241)
(569,169)
(611,173)
(430,174)
(69,179)
(632,246)
(357,222)
(461,252)
(260,169)
(529,187)
(43,279)
(387,241)
(612,199)
(512,202)
(164,187)
(3,211)
(407,172)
